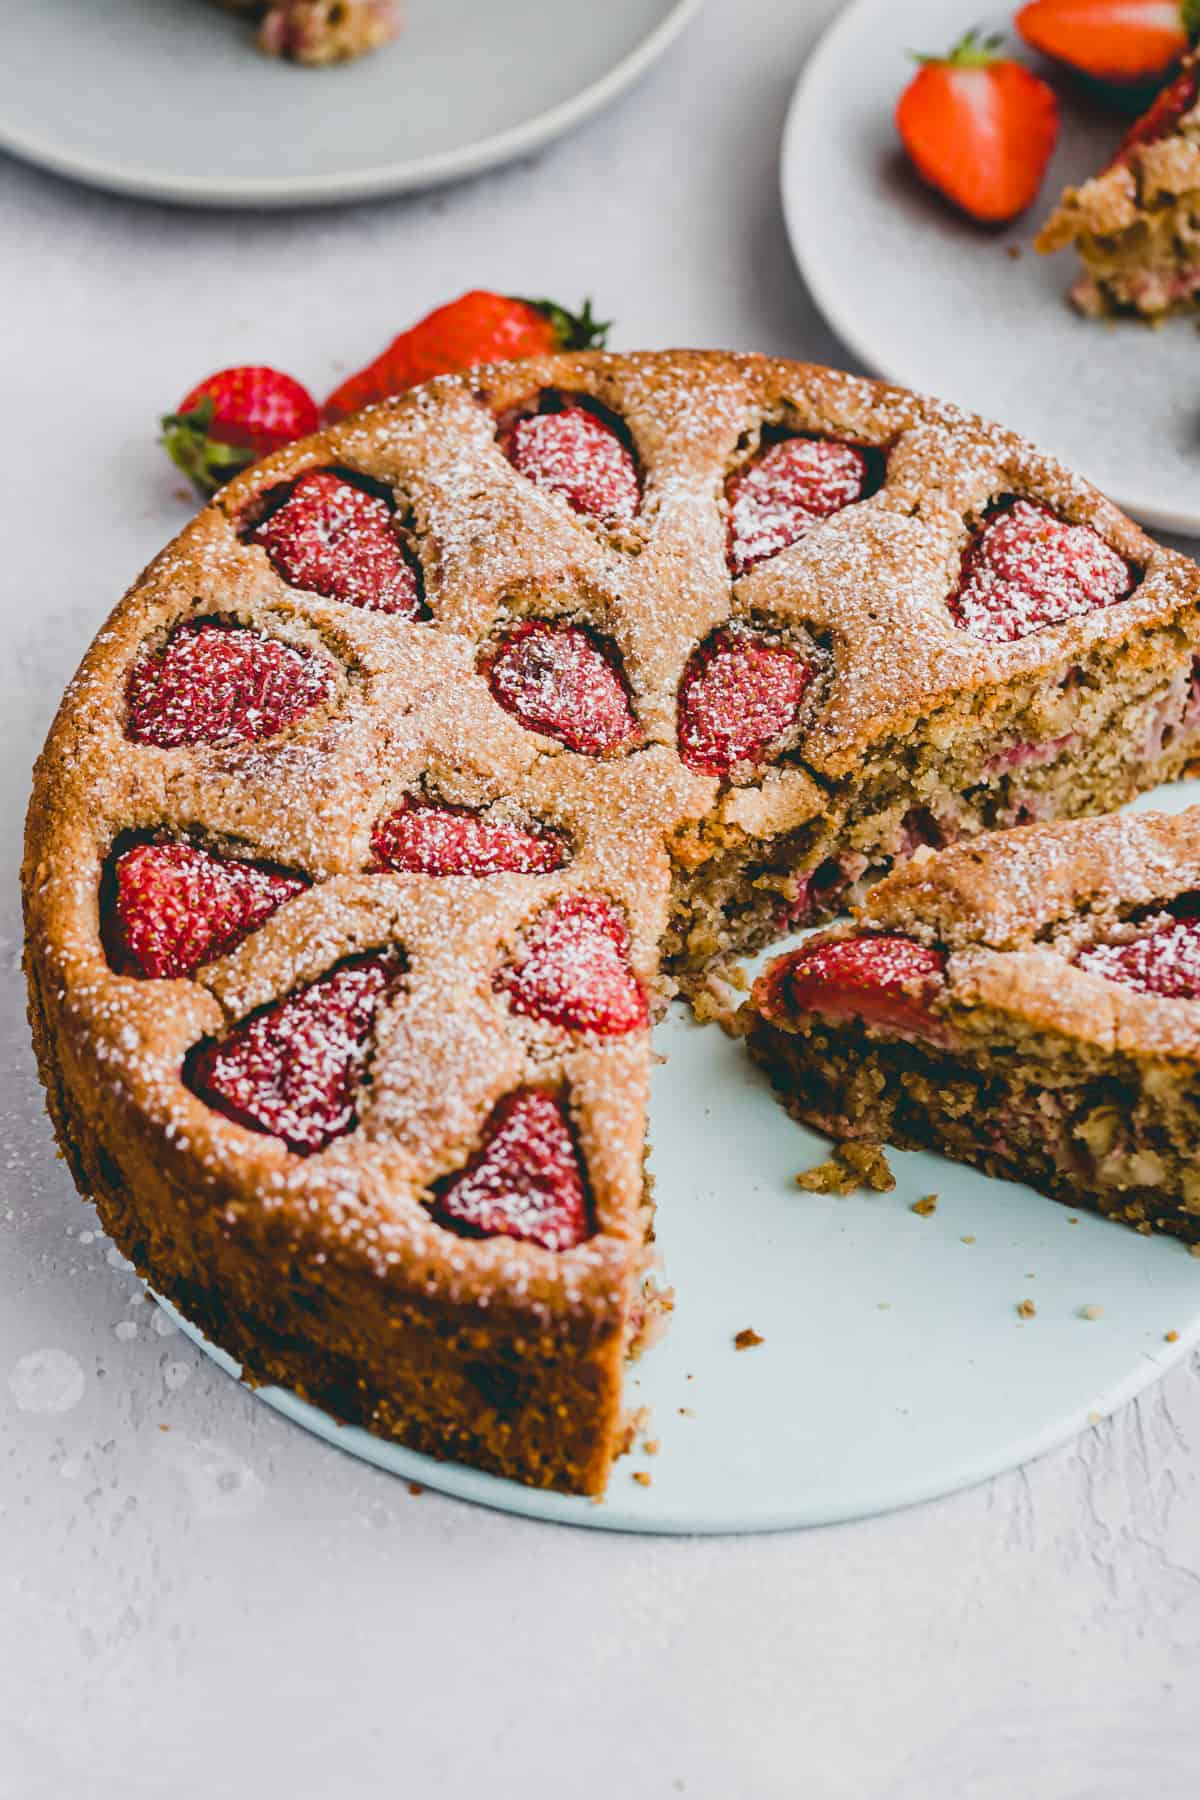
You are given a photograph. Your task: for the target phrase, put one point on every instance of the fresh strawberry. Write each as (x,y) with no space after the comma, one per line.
(222,684)
(785,491)
(577,455)
(476,328)
(979,128)
(573,970)
(1166,961)
(419,838)
(293,1070)
(524,1181)
(737,695)
(1027,570)
(233,418)
(1176,99)
(565,682)
(339,540)
(888,982)
(176,906)
(1117,41)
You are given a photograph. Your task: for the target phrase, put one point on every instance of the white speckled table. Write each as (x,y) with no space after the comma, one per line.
(197,1600)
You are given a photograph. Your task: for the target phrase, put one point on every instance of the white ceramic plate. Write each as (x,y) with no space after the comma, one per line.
(924,297)
(894,1364)
(168,99)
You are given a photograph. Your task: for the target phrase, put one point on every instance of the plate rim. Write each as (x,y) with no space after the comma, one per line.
(637,1515)
(812,79)
(407,175)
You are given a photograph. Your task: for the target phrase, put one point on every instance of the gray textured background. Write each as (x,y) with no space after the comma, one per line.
(226,1607)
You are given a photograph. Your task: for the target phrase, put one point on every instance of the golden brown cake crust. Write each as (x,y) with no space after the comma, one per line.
(327,1272)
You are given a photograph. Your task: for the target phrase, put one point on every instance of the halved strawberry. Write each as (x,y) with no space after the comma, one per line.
(222,684)
(738,694)
(176,906)
(979,128)
(231,419)
(294,1069)
(1118,41)
(420,838)
(524,1181)
(339,540)
(573,970)
(1166,961)
(578,456)
(787,490)
(888,982)
(564,681)
(478,327)
(1027,569)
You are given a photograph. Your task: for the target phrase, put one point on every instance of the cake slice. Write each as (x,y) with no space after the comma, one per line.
(1136,225)
(1029,1004)
(320,31)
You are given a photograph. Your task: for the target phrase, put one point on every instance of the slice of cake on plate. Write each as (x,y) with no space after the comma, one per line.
(320,31)
(1029,1003)
(1136,225)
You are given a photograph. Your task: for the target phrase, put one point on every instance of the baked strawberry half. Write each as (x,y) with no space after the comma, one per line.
(525,1180)
(222,684)
(1166,961)
(338,539)
(1027,569)
(786,490)
(294,1070)
(739,694)
(421,838)
(573,970)
(578,456)
(566,682)
(887,982)
(176,906)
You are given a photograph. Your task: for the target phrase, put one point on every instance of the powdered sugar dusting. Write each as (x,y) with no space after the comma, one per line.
(1027,569)
(377,715)
(1166,961)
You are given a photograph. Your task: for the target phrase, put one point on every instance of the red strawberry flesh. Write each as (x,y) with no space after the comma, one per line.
(1027,570)
(177,906)
(737,696)
(563,681)
(1166,961)
(786,491)
(216,684)
(1177,98)
(419,838)
(578,456)
(294,1070)
(887,982)
(525,1179)
(340,541)
(574,970)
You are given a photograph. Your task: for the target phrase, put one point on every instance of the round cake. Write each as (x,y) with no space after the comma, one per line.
(403,789)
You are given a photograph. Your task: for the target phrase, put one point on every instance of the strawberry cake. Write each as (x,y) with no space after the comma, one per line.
(1136,225)
(392,803)
(1029,1003)
(318,32)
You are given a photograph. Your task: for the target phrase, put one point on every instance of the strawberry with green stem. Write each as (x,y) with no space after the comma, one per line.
(478,327)
(980,128)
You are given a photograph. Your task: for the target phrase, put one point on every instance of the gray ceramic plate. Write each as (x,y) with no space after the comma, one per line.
(924,297)
(168,99)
